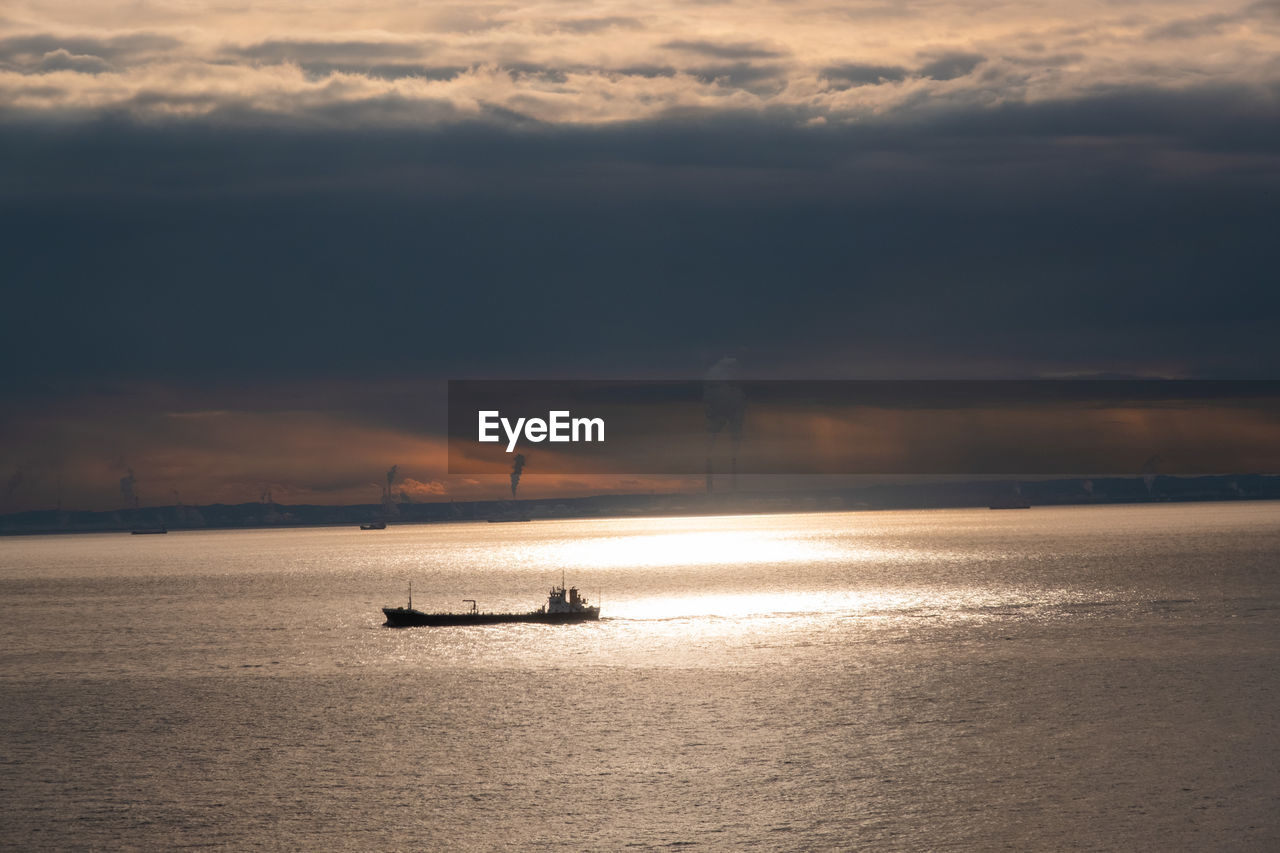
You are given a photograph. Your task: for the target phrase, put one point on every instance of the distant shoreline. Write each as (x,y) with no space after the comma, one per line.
(997,493)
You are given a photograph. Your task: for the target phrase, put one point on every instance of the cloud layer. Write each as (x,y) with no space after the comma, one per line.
(579,63)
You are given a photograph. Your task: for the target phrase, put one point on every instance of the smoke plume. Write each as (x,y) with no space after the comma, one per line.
(726,407)
(1149,471)
(390,509)
(516,470)
(127,484)
(15,480)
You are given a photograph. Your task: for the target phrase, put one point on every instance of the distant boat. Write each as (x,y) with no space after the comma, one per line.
(564,606)
(146,531)
(374,525)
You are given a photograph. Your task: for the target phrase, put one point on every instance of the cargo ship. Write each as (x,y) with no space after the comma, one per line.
(564,606)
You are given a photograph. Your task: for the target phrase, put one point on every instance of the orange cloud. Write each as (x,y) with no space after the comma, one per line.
(390,65)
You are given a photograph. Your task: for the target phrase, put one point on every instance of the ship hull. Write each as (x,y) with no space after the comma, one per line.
(401,617)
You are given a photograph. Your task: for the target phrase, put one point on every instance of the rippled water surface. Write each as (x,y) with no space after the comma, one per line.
(1092,678)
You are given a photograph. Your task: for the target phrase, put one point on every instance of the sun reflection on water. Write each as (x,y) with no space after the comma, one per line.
(737,544)
(672,588)
(777,603)
(692,548)
(753,568)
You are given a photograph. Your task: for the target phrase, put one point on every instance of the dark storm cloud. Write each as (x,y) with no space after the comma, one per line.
(486,154)
(1175,121)
(724,50)
(988,240)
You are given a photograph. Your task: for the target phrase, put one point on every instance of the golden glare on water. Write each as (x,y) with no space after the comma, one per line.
(708,542)
(699,548)
(783,603)
(740,567)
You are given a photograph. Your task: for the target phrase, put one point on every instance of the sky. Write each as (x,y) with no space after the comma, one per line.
(244,246)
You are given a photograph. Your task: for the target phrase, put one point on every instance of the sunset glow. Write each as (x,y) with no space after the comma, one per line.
(598,63)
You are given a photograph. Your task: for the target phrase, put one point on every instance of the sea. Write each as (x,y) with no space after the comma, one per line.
(1067,678)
